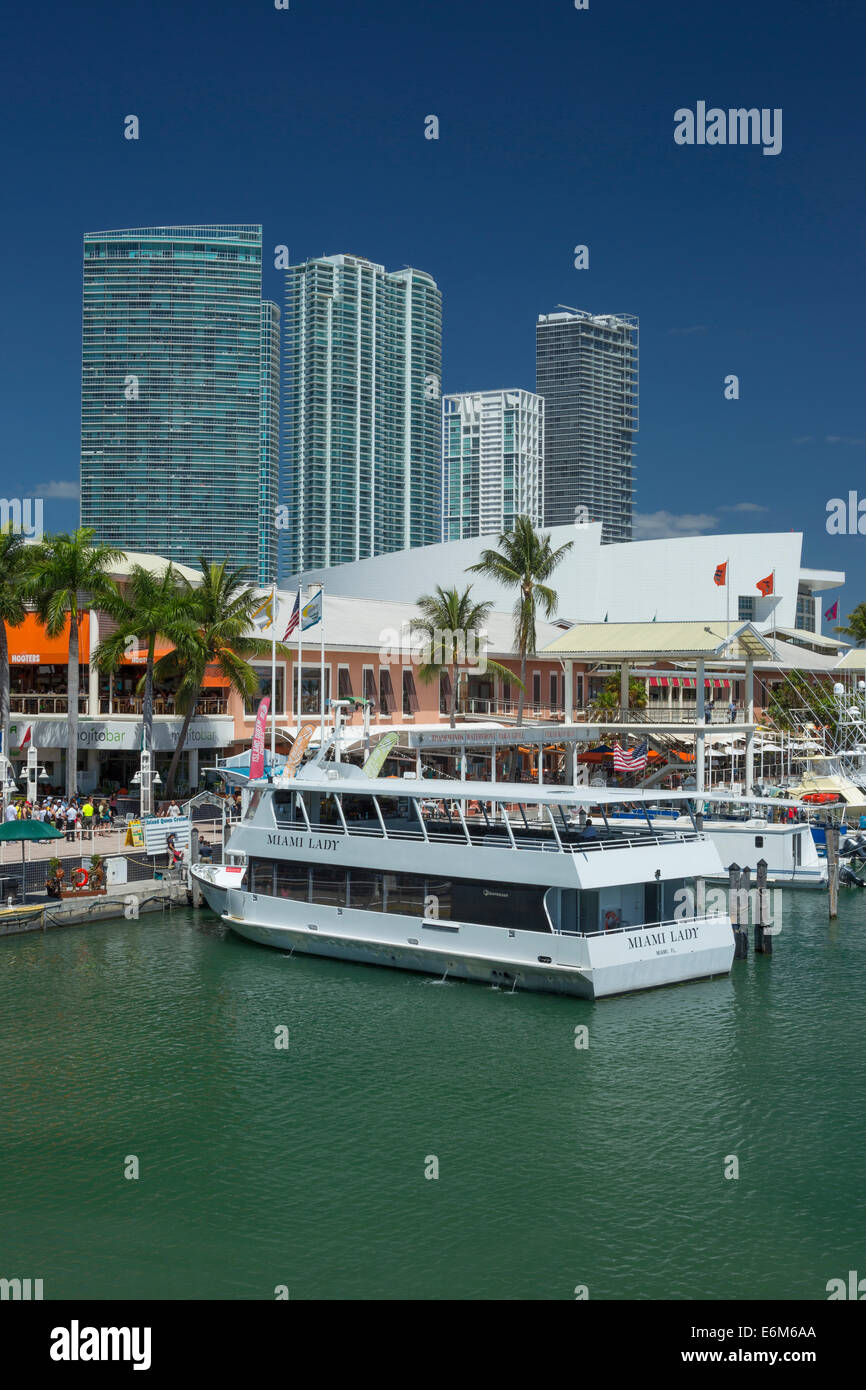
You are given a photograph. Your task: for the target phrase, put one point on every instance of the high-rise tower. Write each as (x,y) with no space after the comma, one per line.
(180,395)
(361,464)
(587,372)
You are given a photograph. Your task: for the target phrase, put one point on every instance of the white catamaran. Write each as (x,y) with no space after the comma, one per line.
(504,883)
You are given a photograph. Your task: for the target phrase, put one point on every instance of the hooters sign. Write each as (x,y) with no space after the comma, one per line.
(257,752)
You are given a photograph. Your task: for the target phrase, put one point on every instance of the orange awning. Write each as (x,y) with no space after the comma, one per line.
(30,645)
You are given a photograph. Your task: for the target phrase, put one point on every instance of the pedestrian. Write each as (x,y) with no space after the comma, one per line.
(71,818)
(112,807)
(708,711)
(11,812)
(732,712)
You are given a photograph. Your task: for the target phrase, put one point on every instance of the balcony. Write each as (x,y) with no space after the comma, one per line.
(44,703)
(661,713)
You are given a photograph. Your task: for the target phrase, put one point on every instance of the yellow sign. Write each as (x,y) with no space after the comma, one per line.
(134,835)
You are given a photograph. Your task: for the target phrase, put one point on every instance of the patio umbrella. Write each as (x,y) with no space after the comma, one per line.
(33,830)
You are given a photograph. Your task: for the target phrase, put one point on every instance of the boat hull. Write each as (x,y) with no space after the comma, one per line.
(589,967)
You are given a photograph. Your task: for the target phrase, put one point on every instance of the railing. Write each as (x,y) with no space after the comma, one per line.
(496,836)
(663,714)
(639,841)
(134,704)
(648,926)
(44,704)
(652,713)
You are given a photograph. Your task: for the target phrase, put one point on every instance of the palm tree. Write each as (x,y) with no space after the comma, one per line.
(447,618)
(524,561)
(856,626)
(215,631)
(72,576)
(150,608)
(16,568)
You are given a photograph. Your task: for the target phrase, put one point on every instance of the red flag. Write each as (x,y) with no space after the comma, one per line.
(721,574)
(765,586)
(257,751)
(832,612)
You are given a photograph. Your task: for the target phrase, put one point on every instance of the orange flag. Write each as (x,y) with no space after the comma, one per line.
(765,586)
(720,575)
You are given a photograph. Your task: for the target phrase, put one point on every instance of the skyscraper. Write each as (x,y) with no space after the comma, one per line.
(362,411)
(492,450)
(587,372)
(180,395)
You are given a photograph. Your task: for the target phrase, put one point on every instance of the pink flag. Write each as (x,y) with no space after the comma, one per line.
(257,751)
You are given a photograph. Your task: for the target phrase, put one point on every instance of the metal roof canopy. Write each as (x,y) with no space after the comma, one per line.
(472,736)
(660,642)
(447,789)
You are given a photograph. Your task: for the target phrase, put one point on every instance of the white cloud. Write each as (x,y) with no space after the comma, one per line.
(843,439)
(654,526)
(58,489)
(744,507)
(802,439)
(694,328)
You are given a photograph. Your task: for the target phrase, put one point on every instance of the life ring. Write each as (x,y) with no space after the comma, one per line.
(611,920)
(80,878)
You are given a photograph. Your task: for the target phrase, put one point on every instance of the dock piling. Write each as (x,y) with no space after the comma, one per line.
(833,870)
(741,938)
(763,939)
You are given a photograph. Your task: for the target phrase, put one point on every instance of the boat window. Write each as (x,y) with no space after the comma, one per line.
(759,842)
(365,889)
(262,876)
(292,881)
(253,804)
(405,893)
(437,898)
(329,885)
(360,813)
(286,810)
(321,808)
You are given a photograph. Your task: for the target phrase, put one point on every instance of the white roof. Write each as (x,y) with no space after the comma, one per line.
(365,624)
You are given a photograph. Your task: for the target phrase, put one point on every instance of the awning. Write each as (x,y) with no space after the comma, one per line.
(712,682)
(30,645)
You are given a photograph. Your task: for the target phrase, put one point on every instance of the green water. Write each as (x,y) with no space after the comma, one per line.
(305,1167)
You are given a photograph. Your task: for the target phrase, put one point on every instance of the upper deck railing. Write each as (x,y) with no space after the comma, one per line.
(446,822)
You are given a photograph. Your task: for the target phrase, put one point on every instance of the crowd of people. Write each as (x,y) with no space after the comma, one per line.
(92,815)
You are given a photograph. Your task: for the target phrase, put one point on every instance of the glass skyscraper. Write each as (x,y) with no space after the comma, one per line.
(587,372)
(180,395)
(492,449)
(361,464)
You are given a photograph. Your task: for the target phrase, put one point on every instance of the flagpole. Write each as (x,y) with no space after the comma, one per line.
(322,669)
(273,675)
(728,597)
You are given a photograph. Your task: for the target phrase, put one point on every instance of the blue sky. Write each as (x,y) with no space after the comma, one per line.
(556,129)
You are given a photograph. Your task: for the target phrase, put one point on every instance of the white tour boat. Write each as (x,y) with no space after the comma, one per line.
(472,880)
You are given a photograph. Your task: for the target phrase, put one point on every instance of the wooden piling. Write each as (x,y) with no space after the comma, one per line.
(763,939)
(833,869)
(741,937)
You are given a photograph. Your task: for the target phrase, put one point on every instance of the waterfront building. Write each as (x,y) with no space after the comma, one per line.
(180,395)
(587,373)
(492,451)
(362,411)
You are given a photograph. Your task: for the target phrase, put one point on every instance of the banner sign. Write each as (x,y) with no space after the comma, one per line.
(379,756)
(257,751)
(110,734)
(158,828)
(297,750)
(472,736)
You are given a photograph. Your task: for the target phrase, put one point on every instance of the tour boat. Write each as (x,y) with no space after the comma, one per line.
(472,880)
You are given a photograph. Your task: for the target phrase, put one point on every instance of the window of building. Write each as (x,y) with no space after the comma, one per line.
(387,702)
(344,683)
(444,692)
(370,687)
(746,608)
(311,689)
(264,688)
(410,695)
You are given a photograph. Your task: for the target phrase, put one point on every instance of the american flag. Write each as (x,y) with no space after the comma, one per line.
(294,619)
(629,759)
